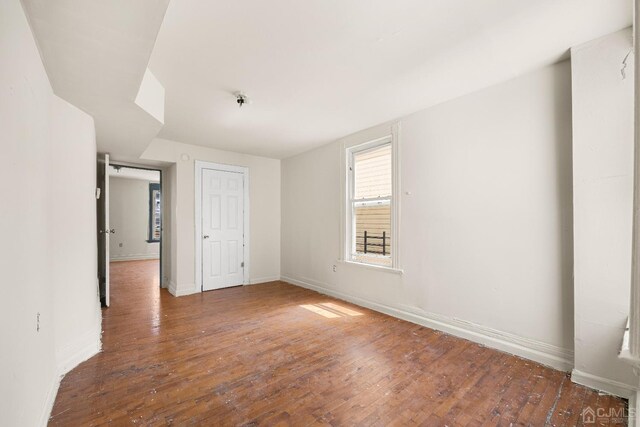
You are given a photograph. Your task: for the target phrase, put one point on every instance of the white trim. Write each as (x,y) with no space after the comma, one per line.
(68,357)
(107,236)
(634,403)
(634,306)
(389,133)
(373,267)
(134,257)
(188,290)
(350,220)
(267,279)
(199,166)
(625,350)
(606,385)
(546,354)
(52,393)
(380,201)
(88,345)
(172,288)
(81,355)
(397,195)
(184,290)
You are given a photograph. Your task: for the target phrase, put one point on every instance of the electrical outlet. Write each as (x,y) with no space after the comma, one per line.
(335,268)
(37,322)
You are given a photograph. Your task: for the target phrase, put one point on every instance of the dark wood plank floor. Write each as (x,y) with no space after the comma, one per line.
(276,354)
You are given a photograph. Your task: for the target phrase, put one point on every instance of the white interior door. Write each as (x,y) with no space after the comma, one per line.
(222,229)
(103,228)
(107,229)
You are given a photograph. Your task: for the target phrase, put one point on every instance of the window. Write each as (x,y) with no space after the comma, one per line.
(155,212)
(370,203)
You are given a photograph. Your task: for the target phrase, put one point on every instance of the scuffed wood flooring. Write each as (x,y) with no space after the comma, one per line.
(277,354)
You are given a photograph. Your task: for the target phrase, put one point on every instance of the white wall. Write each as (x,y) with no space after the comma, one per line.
(486,233)
(264,195)
(72,230)
(47,224)
(168,224)
(150,96)
(129,216)
(603,199)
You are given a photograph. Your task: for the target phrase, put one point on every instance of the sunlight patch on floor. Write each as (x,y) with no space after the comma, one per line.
(319,310)
(344,310)
(330,310)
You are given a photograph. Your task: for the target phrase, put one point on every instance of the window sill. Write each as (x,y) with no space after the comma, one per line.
(380,268)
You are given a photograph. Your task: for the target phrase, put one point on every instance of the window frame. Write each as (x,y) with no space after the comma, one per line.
(391,137)
(153,187)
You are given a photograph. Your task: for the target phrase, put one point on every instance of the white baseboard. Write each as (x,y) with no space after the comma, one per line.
(133,257)
(264,280)
(191,289)
(50,401)
(172,288)
(85,347)
(606,385)
(68,357)
(184,289)
(546,354)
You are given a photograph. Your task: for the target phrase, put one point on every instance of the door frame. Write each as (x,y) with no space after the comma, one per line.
(163,207)
(102,227)
(199,167)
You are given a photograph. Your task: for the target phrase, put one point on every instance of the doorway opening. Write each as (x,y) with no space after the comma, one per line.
(131,232)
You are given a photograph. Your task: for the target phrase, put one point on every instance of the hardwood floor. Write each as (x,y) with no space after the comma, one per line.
(276,354)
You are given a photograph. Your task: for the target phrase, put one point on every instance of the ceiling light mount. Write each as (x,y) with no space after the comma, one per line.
(241,99)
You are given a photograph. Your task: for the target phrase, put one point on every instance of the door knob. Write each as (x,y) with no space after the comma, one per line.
(205,237)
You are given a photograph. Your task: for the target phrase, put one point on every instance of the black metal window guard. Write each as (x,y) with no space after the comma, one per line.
(374,244)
